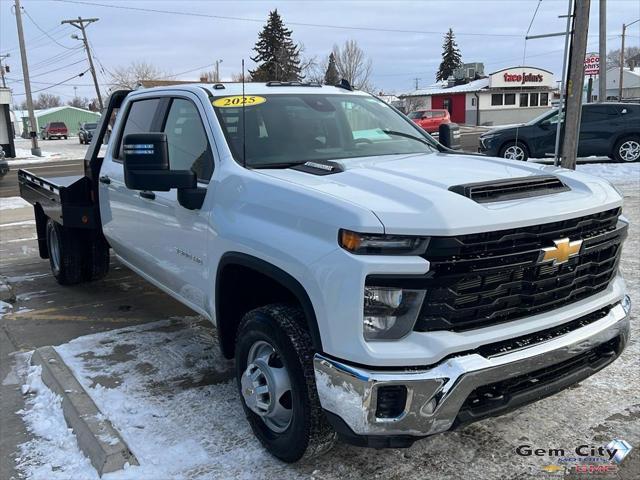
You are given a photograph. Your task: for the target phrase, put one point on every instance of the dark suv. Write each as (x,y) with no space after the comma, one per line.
(606,129)
(54,130)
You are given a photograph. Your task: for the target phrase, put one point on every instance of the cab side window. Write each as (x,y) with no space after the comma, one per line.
(140,118)
(187,140)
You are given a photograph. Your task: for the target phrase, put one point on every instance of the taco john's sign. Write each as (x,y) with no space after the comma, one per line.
(521,76)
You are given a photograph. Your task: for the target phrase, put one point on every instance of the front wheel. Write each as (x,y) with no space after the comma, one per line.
(627,149)
(276,380)
(515,151)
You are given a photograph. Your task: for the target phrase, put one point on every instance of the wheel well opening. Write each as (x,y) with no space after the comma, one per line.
(239,290)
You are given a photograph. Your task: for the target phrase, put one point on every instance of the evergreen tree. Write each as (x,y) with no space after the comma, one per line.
(451,57)
(331,76)
(278,57)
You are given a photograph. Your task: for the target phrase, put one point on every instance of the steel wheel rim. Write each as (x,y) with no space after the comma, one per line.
(514,152)
(54,249)
(629,151)
(266,387)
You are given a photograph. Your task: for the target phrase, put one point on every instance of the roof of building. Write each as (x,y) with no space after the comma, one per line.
(46,111)
(439,88)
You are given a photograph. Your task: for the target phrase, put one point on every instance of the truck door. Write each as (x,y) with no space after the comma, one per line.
(170,241)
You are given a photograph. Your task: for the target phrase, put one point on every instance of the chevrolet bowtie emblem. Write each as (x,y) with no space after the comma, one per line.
(561,253)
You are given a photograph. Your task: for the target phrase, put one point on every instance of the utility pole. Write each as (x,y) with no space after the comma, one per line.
(35,150)
(602,53)
(624,30)
(2,57)
(80,24)
(575,83)
(416,80)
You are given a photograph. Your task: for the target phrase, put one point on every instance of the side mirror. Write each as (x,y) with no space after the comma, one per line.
(146,164)
(545,124)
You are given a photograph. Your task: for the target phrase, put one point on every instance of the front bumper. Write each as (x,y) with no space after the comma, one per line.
(437,398)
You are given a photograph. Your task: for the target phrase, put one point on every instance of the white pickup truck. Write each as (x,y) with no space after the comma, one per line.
(368,281)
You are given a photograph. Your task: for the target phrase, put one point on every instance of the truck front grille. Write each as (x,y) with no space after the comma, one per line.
(484,279)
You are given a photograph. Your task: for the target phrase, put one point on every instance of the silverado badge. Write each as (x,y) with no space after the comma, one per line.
(564,250)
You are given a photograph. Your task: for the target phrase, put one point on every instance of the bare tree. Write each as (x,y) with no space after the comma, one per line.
(79,102)
(411,104)
(613,57)
(44,100)
(130,76)
(353,65)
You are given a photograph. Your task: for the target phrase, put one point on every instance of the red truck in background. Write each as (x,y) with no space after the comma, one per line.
(54,130)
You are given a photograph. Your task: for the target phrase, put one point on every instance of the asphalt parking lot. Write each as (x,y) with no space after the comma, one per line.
(154,368)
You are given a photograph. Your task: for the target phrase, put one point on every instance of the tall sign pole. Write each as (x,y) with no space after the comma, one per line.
(35,150)
(575,83)
(602,51)
(79,23)
(624,29)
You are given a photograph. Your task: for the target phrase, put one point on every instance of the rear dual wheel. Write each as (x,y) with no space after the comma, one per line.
(74,257)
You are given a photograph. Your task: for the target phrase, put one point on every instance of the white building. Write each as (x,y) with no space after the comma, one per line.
(630,84)
(510,95)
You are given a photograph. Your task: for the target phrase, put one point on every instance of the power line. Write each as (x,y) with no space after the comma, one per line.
(300,24)
(58,69)
(45,33)
(55,84)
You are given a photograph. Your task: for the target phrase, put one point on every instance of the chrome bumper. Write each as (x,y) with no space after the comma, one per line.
(435,396)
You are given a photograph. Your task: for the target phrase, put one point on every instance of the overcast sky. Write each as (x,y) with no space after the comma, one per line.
(486,31)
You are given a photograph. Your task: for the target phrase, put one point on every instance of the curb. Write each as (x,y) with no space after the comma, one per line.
(96,437)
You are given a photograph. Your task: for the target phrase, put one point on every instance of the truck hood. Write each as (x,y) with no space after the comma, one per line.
(410,193)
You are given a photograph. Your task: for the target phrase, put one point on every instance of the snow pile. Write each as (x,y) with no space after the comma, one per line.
(614,172)
(12,203)
(169,392)
(54,440)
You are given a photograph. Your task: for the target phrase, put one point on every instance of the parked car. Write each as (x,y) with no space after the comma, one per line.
(368,281)
(606,129)
(54,130)
(430,120)
(85,134)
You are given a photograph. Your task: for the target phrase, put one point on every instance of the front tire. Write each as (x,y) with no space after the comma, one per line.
(65,254)
(515,151)
(276,381)
(627,149)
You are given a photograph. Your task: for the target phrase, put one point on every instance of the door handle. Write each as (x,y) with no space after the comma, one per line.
(105,179)
(148,195)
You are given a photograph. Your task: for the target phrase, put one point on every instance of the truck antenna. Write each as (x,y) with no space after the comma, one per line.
(244,150)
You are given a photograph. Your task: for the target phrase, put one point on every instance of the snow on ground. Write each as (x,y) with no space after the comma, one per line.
(614,172)
(11,203)
(52,151)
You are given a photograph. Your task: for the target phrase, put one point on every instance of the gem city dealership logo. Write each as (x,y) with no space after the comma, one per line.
(584,459)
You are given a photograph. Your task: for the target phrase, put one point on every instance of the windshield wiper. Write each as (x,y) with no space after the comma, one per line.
(408,135)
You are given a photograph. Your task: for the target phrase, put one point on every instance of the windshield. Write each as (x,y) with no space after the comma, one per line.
(543,116)
(90,126)
(286,129)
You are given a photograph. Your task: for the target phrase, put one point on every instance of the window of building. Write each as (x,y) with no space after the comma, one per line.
(473,101)
(524,99)
(187,140)
(509,98)
(496,99)
(544,99)
(533,100)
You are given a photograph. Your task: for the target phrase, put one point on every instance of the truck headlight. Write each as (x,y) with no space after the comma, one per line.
(390,313)
(380,244)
